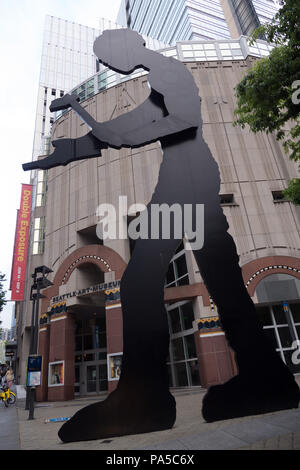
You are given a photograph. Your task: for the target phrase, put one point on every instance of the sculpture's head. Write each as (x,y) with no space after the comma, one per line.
(120,49)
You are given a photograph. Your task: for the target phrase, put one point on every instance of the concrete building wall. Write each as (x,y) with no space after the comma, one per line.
(251,167)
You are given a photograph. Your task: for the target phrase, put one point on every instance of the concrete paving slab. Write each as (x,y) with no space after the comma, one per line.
(253,430)
(290,420)
(212,440)
(9,429)
(168,445)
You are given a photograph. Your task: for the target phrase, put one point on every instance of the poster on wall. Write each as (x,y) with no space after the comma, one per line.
(56,373)
(114,366)
(21,244)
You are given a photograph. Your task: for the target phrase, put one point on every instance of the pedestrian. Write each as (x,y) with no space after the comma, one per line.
(9,377)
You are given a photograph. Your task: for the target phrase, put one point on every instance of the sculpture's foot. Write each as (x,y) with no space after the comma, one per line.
(250,395)
(121,414)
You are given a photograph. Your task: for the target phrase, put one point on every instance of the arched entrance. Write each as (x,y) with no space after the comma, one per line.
(73,340)
(278,308)
(274,284)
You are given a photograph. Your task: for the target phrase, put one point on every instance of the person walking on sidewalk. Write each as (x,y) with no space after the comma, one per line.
(9,377)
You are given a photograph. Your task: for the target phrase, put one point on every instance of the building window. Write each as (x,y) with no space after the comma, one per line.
(246,15)
(90,336)
(90,88)
(278,196)
(177,274)
(56,374)
(227,199)
(46,150)
(41,188)
(183,362)
(114,365)
(91,356)
(38,236)
(281,325)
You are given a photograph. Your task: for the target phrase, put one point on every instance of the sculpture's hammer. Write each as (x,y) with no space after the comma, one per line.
(72,101)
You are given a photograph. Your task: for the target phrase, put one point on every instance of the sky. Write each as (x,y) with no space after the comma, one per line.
(21,37)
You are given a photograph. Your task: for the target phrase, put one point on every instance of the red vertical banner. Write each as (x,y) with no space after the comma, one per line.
(21,244)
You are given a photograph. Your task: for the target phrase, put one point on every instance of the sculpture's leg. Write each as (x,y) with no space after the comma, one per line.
(142,401)
(264,382)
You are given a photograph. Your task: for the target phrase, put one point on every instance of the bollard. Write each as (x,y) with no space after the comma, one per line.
(31,403)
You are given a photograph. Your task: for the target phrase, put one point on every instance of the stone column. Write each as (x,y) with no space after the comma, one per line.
(114,327)
(215,358)
(62,347)
(43,350)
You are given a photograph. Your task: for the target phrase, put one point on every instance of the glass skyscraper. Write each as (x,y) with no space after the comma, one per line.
(180,20)
(249,14)
(175,20)
(266,9)
(67,59)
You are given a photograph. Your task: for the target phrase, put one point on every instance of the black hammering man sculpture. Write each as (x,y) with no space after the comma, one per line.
(142,401)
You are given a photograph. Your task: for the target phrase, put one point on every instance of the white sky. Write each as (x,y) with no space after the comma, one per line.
(21,36)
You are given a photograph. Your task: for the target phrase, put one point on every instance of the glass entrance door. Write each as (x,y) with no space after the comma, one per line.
(91,379)
(183,361)
(281,323)
(90,356)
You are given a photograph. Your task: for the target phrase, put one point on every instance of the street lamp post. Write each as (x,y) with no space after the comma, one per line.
(31,346)
(39,282)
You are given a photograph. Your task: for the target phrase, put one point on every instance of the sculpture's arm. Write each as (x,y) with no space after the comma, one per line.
(155,118)
(112,133)
(68,150)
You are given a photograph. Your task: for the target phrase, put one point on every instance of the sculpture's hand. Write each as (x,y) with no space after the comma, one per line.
(64,153)
(65,102)
(68,150)
(36,165)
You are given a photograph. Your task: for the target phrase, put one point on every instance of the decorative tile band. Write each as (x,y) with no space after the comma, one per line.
(58,307)
(43,319)
(111,295)
(269,268)
(209,323)
(87,257)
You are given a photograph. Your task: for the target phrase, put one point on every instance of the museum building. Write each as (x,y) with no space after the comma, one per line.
(80,331)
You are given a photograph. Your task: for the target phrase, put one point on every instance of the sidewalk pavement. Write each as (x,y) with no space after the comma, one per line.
(276,431)
(9,429)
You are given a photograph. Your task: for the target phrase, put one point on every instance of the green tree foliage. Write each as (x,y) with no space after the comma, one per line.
(268,97)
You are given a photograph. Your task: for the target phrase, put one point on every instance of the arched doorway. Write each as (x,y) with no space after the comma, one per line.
(90,345)
(278,308)
(76,338)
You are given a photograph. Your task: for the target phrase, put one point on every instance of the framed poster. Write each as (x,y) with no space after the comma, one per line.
(34,371)
(56,374)
(114,364)
(33,379)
